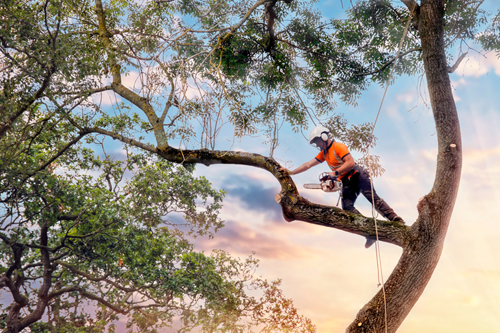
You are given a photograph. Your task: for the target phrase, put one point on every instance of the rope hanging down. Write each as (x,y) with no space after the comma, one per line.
(380,275)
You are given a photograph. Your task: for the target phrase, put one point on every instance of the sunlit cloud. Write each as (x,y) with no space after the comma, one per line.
(241,240)
(105,98)
(479,65)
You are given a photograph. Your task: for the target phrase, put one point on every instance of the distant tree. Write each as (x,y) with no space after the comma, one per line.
(87,238)
(210,61)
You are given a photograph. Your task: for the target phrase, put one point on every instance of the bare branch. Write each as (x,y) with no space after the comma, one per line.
(171,97)
(123,139)
(389,62)
(240,23)
(457,63)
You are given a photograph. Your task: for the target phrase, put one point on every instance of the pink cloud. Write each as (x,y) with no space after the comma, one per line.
(239,239)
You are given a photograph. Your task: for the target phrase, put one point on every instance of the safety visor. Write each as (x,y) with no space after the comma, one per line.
(317,143)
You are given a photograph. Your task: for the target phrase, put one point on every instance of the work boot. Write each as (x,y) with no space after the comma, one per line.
(397,219)
(386,211)
(369,242)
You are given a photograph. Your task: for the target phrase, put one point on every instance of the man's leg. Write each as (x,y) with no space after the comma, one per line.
(350,192)
(352,189)
(380,205)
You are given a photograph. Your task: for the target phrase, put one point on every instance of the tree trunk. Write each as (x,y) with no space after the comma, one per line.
(421,253)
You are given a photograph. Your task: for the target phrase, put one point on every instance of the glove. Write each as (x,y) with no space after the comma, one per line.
(326,177)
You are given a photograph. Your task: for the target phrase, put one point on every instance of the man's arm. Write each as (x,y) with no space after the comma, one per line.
(346,167)
(303,167)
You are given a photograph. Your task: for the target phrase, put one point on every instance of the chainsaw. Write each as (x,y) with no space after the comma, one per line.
(327,185)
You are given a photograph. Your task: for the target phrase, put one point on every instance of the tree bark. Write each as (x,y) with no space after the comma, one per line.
(421,254)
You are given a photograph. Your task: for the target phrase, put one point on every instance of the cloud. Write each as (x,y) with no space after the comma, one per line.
(104,98)
(252,196)
(239,239)
(409,97)
(479,65)
(455,85)
(482,166)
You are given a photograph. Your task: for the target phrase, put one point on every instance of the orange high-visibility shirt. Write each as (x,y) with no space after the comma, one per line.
(334,156)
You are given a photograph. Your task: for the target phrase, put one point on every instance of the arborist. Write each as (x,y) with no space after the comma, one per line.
(354,178)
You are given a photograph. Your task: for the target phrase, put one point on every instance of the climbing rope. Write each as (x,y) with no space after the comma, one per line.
(378,255)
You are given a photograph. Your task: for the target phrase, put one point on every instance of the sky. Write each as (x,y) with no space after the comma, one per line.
(327,272)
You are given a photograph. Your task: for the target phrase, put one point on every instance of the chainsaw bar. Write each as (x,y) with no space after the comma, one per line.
(326,186)
(313,186)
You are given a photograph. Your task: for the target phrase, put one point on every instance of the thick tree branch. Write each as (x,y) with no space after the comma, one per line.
(31,318)
(141,102)
(299,208)
(13,322)
(294,206)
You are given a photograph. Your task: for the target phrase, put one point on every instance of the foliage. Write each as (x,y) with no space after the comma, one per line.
(87,238)
(110,249)
(490,39)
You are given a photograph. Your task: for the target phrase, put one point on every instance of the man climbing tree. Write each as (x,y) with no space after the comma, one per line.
(355,179)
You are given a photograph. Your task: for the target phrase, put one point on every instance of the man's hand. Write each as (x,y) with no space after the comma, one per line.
(285,169)
(328,176)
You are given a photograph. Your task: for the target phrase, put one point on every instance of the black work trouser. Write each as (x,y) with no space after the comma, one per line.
(360,183)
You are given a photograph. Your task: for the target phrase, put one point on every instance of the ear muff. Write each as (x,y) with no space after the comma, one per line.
(324,136)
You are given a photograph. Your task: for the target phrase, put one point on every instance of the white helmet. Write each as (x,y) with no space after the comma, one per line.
(319,132)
